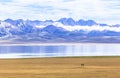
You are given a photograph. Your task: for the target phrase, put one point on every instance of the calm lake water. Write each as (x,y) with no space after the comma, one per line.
(26,51)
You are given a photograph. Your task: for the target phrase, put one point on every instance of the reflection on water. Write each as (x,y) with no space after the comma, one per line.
(59,50)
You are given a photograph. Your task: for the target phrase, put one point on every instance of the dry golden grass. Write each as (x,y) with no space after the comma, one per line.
(94,67)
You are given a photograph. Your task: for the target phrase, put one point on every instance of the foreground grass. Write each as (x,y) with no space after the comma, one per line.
(94,67)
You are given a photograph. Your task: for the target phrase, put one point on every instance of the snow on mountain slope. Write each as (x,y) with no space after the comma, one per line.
(63,29)
(89,25)
(87,28)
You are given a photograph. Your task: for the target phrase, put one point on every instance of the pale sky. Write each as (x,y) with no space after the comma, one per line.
(102,11)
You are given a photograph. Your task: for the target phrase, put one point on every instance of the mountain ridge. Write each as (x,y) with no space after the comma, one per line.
(62,30)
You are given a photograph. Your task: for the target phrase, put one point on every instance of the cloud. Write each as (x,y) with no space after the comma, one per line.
(88,28)
(100,10)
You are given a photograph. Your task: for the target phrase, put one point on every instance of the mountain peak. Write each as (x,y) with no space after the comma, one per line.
(67,21)
(14,22)
(51,28)
(8,20)
(86,23)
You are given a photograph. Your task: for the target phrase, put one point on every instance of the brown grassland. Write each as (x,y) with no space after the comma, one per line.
(66,67)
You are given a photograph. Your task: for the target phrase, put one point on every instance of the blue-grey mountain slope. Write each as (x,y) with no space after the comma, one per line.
(62,30)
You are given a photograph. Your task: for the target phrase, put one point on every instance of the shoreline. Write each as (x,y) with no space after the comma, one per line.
(50,44)
(59,57)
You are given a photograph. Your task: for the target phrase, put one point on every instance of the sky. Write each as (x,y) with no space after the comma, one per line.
(102,11)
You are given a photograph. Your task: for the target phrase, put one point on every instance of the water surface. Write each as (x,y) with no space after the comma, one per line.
(25,51)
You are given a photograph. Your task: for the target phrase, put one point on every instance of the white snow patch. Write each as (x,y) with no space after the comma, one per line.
(87,28)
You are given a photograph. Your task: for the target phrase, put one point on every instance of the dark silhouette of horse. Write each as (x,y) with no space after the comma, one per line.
(82,65)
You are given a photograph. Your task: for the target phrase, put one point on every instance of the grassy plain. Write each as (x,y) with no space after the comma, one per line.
(66,67)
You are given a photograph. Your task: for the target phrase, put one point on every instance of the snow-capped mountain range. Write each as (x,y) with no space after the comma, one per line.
(62,30)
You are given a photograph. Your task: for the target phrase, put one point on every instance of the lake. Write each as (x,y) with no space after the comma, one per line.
(59,50)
